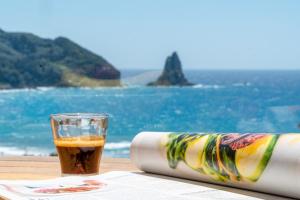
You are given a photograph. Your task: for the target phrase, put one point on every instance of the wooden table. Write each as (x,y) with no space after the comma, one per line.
(35,167)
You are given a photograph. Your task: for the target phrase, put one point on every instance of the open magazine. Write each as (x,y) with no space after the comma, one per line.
(123,185)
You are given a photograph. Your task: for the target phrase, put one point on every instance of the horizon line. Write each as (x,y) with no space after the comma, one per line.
(215,69)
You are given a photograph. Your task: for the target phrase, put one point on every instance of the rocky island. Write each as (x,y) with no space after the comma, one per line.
(27,60)
(172,73)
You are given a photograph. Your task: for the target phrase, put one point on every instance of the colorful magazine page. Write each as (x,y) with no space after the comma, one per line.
(262,162)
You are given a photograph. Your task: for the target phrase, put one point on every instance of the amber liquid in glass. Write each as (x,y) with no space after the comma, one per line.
(80,155)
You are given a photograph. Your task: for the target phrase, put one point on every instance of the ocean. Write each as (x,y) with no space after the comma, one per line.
(221,101)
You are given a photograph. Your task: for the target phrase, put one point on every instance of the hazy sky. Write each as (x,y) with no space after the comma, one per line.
(141,33)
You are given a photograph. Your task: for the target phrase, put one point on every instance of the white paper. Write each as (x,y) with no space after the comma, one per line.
(126,186)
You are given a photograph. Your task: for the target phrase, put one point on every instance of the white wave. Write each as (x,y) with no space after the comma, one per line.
(117,154)
(45,88)
(117,145)
(14,151)
(208,86)
(100,88)
(16,90)
(241,84)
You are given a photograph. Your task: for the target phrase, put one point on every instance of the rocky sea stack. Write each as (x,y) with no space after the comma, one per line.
(172,73)
(27,60)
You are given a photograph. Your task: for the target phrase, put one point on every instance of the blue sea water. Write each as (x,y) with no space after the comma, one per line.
(221,101)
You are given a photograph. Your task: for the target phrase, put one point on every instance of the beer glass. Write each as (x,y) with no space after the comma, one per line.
(79,139)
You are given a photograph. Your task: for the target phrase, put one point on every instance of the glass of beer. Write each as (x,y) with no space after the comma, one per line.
(79,139)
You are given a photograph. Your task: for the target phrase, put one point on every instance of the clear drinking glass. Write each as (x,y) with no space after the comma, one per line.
(79,139)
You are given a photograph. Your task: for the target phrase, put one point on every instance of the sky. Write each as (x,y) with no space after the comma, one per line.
(140,34)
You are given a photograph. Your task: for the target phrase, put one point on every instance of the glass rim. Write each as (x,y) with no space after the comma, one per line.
(80,115)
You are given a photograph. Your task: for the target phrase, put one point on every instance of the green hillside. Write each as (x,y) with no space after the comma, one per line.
(27,60)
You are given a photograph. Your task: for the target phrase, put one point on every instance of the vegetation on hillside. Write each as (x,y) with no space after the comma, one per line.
(27,60)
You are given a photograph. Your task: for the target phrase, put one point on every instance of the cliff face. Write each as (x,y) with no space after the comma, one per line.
(172,73)
(27,60)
